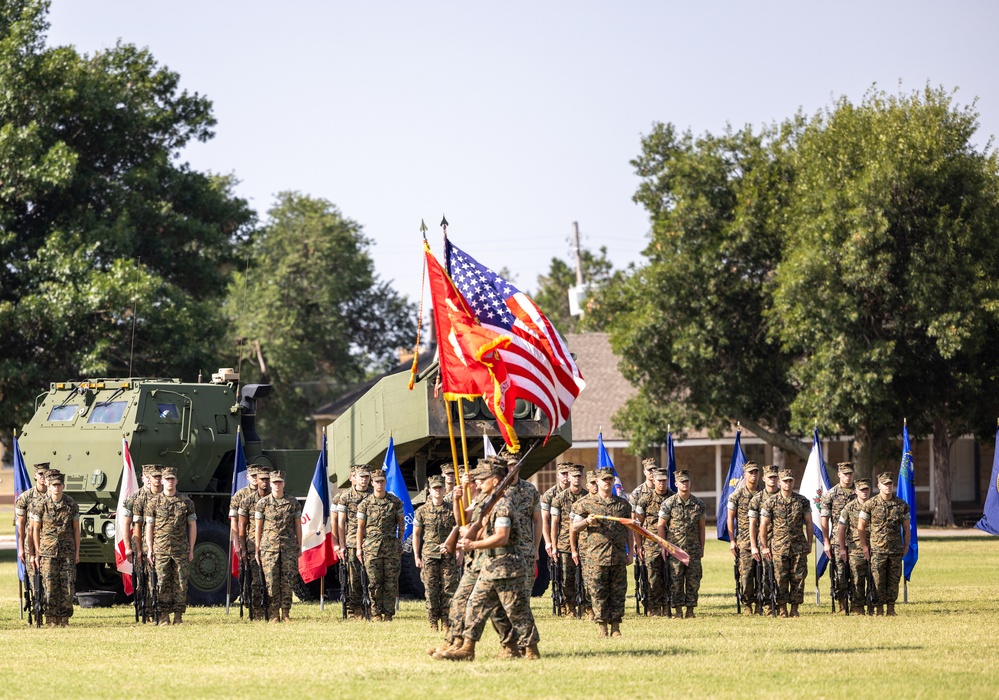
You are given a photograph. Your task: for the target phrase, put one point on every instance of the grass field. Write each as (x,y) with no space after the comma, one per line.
(943,644)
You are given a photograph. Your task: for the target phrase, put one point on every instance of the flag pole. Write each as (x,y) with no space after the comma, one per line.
(322,593)
(454,455)
(228,575)
(464,443)
(18,544)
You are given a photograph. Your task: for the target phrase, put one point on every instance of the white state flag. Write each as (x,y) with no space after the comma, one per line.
(129,485)
(814,484)
(487,447)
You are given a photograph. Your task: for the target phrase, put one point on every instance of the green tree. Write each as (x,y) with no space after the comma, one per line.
(98,217)
(313,315)
(693,335)
(553,290)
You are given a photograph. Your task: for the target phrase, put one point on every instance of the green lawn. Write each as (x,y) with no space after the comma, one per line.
(942,645)
(6,519)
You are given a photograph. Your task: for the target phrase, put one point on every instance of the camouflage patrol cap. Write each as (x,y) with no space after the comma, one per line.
(361,470)
(42,466)
(277,475)
(662,474)
(605,473)
(771,470)
(886,478)
(591,476)
(263,472)
(751,466)
(683,475)
(845,467)
(169,472)
(447,468)
(786,474)
(863,483)
(563,467)
(435,481)
(54,476)
(575,470)
(487,468)
(252,469)
(650,463)
(152,470)
(376,475)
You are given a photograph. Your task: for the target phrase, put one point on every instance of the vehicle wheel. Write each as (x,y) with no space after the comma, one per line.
(101,577)
(210,567)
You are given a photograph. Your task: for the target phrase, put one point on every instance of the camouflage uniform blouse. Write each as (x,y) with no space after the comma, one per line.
(739,502)
(755,506)
(885,520)
(348,504)
(380,516)
(787,518)
(56,537)
(640,490)
(238,498)
(280,517)
(22,506)
(850,516)
(169,516)
(549,496)
(505,562)
(435,523)
(832,504)
(682,522)
(606,541)
(525,501)
(562,507)
(648,505)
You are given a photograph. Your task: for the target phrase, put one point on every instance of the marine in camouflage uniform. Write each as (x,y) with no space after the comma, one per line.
(771,481)
(499,586)
(884,523)
(246,508)
(681,522)
(605,552)
(22,509)
(526,503)
(347,516)
(790,514)
(830,507)
(647,513)
(278,519)
(432,524)
(381,523)
(741,545)
(848,541)
(135,515)
(649,467)
(171,532)
(55,520)
(561,518)
(561,483)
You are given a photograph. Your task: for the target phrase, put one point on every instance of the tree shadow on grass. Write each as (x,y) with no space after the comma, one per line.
(8,556)
(669,651)
(850,650)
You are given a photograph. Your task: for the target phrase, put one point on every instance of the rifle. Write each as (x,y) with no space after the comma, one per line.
(38,594)
(241,580)
(668,581)
(851,593)
(344,584)
(580,596)
(365,594)
(872,594)
(758,577)
(832,580)
(137,584)
(492,499)
(27,605)
(263,591)
(558,593)
(154,584)
(641,587)
(738,589)
(772,580)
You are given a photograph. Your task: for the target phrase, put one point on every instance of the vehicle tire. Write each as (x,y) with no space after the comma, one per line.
(101,577)
(410,584)
(209,570)
(543,578)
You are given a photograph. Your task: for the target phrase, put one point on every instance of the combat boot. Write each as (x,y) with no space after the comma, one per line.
(794,610)
(571,609)
(747,609)
(509,651)
(165,620)
(532,652)
(64,621)
(842,606)
(615,629)
(178,618)
(590,615)
(782,610)
(891,610)
(879,611)
(678,613)
(857,609)
(433,625)
(768,610)
(387,618)
(455,645)
(601,629)
(50,621)
(465,653)
(690,612)
(275,617)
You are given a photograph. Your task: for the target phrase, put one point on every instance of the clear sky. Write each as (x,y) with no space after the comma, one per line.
(516,118)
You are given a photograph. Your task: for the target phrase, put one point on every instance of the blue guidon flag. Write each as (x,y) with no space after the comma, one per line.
(906,490)
(735,473)
(395,484)
(990,517)
(22,482)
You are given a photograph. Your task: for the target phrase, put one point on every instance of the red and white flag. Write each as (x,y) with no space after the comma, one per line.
(129,485)
(317,534)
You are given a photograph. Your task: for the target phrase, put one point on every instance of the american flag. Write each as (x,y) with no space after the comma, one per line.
(538,360)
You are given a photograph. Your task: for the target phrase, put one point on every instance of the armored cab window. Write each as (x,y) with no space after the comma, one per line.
(61,414)
(167,412)
(108,413)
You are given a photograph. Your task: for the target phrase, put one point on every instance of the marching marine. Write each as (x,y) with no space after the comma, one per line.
(381,523)
(830,508)
(432,524)
(681,522)
(55,537)
(171,532)
(278,537)
(884,538)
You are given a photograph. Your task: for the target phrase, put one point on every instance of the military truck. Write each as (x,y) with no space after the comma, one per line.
(78,427)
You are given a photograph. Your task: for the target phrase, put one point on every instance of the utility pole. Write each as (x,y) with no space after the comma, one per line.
(579,257)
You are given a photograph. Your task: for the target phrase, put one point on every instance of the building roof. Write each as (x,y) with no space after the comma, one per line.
(606,388)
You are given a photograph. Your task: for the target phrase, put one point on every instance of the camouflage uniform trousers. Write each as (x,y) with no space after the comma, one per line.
(440,581)
(887,571)
(569,579)
(529,575)
(842,589)
(280,570)
(355,593)
(747,575)
(686,581)
(58,584)
(172,573)
(790,570)
(858,573)
(142,562)
(656,566)
(608,588)
(253,571)
(501,599)
(383,583)
(459,606)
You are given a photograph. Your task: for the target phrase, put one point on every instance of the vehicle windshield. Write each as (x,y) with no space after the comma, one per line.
(108,412)
(62,413)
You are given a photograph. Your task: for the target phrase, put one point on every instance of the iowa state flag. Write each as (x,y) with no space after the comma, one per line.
(735,474)
(129,485)
(317,534)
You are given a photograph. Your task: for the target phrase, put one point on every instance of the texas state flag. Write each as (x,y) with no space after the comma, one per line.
(317,535)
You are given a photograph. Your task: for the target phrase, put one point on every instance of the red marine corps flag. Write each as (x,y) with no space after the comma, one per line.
(129,485)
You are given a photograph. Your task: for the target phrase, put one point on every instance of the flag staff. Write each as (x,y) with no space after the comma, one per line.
(464,443)
(228,573)
(454,456)
(19,536)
